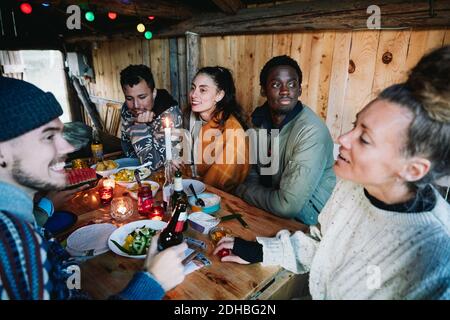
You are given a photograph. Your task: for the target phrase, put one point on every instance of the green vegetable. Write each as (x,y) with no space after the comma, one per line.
(120,247)
(141,241)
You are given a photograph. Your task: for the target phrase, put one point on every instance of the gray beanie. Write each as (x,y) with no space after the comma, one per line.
(24,107)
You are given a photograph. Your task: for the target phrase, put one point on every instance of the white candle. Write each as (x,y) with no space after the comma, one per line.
(168,139)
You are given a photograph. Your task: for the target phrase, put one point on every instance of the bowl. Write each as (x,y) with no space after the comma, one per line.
(145,172)
(212,202)
(107,172)
(132,189)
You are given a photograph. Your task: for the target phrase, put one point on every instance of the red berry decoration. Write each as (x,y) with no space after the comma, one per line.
(223,253)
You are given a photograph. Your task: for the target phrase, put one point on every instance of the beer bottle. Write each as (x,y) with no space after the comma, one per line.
(179,196)
(172,235)
(96,146)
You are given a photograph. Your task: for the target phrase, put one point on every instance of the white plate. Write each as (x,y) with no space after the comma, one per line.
(144,173)
(93,238)
(120,234)
(199,186)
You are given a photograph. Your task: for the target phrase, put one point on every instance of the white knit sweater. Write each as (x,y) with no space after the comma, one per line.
(363,252)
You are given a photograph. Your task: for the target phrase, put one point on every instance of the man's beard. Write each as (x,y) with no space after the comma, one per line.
(282,111)
(27,180)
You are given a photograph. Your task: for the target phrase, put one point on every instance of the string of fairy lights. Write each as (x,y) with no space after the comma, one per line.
(27,9)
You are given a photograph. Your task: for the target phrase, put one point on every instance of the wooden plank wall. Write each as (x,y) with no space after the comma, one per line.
(328,87)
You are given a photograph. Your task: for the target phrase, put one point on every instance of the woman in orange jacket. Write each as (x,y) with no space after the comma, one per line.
(215,123)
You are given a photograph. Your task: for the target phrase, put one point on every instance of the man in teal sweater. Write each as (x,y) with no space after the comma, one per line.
(304,180)
(33,265)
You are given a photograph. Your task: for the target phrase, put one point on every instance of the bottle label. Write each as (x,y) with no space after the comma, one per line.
(181,220)
(179,226)
(178,184)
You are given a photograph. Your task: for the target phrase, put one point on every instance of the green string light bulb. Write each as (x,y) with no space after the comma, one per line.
(148,35)
(90,16)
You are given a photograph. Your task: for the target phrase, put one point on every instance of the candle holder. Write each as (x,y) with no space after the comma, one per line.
(106,195)
(145,200)
(156,212)
(122,208)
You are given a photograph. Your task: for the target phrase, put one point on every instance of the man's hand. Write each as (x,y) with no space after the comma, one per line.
(166,265)
(145,117)
(228,243)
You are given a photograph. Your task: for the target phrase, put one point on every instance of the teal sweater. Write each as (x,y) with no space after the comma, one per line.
(34,266)
(305,178)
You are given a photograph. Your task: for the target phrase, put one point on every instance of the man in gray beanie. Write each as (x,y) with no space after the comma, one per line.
(32,153)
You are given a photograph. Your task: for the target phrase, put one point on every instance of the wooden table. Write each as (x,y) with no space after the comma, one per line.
(109,273)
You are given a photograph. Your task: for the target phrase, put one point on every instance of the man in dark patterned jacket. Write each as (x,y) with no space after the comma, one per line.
(144,116)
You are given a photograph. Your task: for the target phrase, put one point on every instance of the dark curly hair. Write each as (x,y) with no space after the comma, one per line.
(133,74)
(228,105)
(275,62)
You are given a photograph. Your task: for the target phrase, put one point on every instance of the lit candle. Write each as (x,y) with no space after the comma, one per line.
(109,183)
(167,135)
(156,213)
(121,208)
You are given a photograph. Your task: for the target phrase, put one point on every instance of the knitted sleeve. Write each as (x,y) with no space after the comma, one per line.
(23,274)
(143,286)
(293,252)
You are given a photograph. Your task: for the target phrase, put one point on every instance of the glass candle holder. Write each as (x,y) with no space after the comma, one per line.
(106,195)
(109,183)
(122,208)
(145,200)
(217,233)
(156,212)
(79,163)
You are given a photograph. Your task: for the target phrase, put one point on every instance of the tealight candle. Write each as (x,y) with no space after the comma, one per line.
(109,183)
(168,139)
(121,208)
(156,213)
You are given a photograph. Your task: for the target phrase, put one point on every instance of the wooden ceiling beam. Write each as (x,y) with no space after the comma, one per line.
(316,15)
(175,10)
(229,6)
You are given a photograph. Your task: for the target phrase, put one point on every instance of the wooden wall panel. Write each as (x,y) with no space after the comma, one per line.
(338,82)
(386,73)
(160,64)
(359,87)
(263,52)
(328,88)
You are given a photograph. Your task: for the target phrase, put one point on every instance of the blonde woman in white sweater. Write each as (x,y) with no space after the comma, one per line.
(385,231)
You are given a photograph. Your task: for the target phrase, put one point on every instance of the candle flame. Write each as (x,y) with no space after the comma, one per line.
(122,209)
